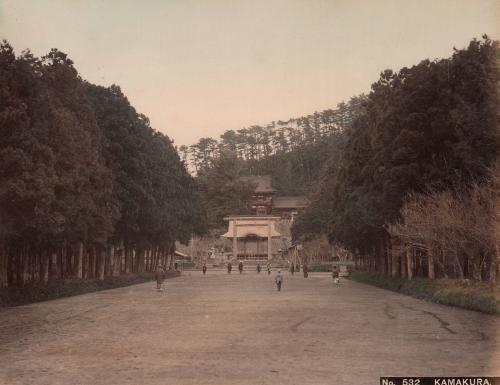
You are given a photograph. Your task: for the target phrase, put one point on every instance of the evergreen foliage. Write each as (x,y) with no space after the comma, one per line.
(80,167)
(292,152)
(432,126)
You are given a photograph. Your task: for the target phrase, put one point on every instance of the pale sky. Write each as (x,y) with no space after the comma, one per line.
(198,68)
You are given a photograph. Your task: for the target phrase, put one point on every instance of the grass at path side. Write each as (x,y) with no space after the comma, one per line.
(465,294)
(14,296)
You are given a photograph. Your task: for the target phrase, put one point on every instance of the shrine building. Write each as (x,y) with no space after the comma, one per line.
(252,236)
(255,237)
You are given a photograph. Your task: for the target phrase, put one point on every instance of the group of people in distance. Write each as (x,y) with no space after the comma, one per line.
(279,276)
(160,273)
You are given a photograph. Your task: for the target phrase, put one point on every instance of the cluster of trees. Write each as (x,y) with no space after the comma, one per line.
(222,191)
(292,151)
(87,187)
(431,130)
(450,233)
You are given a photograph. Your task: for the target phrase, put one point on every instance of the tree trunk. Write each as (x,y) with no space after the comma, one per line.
(134,260)
(148,260)
(127,260)
(53,267)
(430,263)
(493,270)
(93,262)
(459,266)
(79,260)
(101,255)
(171,251)
(3,267)
(409,264)
(140,260)
(394,264)
(20,268)
(118,262)
(62,262)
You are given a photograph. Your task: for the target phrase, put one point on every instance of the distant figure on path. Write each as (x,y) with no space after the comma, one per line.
(204,268)
(292,269)
(305,269)
(160,277)
(335,274)
(297,267)
(258,268)
(279,280)
(240,267)
(268,269)
(229,267)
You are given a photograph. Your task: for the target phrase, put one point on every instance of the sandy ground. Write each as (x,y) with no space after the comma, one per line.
(237,329)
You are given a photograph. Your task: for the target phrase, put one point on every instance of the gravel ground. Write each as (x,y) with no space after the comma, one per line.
(237,329)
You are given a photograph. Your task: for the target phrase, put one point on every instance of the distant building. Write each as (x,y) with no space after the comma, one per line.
(288,207)
(264,201)
(252,236)
(263,236)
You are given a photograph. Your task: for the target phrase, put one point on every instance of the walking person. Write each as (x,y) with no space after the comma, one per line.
(240,267)
(335,274)
(160,277)
(204,268)
(279,280)
(229,267)
(268,269)
(305,269)
(292,269)
(258,268)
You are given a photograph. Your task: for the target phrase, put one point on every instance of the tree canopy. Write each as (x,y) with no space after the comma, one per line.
(78,164)
(433,125)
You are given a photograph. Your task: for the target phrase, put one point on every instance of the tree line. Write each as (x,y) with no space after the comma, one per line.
(88,188)
(292,152)
(296,147)
(411,188)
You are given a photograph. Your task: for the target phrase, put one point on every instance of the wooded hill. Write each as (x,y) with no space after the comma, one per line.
(87,187)
(292,151)
(413,187)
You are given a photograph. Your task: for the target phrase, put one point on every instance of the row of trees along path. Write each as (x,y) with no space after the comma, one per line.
(87,188)
(413,186)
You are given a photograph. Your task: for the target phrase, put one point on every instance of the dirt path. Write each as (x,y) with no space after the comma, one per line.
(237,329)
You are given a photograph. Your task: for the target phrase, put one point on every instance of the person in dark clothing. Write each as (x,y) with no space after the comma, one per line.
(292,269)
(229,268)
(335,273)
(279,280)
(204,268)
(297,267)
(258,268)
(305,270)
(160,277)
(240,267)
(268,269)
